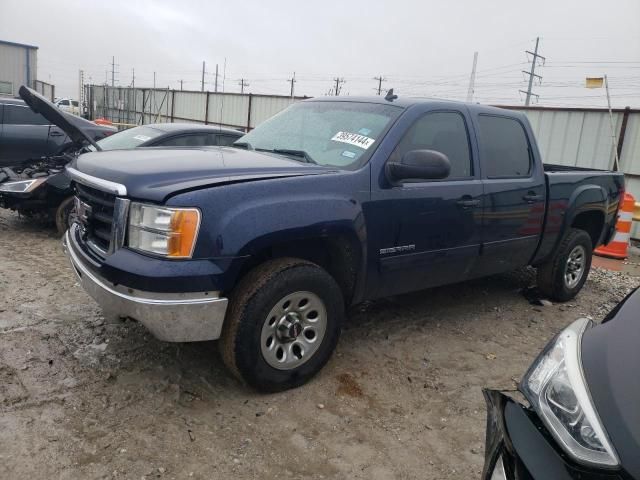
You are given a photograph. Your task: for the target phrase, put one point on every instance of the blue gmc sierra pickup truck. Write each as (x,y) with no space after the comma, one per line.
(329,203)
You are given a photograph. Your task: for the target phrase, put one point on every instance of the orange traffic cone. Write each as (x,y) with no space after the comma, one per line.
(618,247)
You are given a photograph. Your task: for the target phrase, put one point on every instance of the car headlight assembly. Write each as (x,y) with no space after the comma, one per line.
(164,231)
(22,186)
(555,386)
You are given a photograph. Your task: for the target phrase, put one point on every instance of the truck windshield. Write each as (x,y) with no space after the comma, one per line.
(131,138)
(338,134)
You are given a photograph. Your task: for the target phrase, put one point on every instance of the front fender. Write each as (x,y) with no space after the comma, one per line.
(243,219)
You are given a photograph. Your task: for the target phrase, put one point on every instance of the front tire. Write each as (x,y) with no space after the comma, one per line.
(565,274)
(64,215)
(283,324)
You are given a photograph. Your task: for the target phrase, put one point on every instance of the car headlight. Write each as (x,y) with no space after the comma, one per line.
(166,231)
(22,186)
(556,387)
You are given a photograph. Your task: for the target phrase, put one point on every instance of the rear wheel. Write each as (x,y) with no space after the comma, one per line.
(565,274)
(283,324)
(64,215)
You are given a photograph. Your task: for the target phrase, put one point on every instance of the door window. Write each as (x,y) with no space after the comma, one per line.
(504,147)
(445,132)
(186,141)
(22,115)
(226,140)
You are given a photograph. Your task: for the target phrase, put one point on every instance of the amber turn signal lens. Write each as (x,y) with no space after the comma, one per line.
(184,232)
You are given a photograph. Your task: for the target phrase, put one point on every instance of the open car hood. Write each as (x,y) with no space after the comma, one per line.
(79,130)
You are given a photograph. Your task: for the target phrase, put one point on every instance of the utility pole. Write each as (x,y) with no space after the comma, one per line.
(472,79)
(215,83)
(380,79)
(339,81)
(154,80)
(180,85)
(243,83)
(113,71)
(532,73)
(614,139)
(133,78)
(81,89)
(292,81)
(202,82)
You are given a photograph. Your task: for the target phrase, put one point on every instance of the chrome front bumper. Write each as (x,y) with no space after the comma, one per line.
(172,317)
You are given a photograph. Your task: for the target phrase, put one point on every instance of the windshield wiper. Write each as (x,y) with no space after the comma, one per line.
(291,152)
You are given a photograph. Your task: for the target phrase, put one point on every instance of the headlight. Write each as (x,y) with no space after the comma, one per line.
(556,387)
(22,186)
(170,232)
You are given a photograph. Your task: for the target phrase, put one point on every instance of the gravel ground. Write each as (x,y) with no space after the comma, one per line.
(81,398)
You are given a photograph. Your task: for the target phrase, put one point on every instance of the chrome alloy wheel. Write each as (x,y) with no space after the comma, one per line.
(575,267)
(293,330)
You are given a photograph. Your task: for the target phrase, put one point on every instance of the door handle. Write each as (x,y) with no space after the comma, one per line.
(532,197)
(56,133)
(468,202)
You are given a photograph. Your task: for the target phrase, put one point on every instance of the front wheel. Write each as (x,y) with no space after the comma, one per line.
(565,274)
(64,215)
(283,324)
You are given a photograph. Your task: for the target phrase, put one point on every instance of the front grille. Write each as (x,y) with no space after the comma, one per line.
(99,221)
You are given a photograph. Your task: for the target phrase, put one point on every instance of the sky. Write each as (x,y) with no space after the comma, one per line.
(421,48)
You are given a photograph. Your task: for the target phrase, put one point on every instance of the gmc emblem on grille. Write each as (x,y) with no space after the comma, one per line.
(82,212)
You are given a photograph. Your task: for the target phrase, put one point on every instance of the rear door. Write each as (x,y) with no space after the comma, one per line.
(429,230)
(514,193)
(25,135)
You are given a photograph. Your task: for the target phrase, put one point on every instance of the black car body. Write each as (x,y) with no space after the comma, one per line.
(525,442)
(41,187)
(27,136)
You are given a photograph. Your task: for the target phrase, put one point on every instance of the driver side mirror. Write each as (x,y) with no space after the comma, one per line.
(419,165)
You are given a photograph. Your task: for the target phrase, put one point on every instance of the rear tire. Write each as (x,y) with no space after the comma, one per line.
(283,324)
(565,274)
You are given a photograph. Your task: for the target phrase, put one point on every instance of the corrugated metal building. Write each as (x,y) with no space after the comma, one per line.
(18,66)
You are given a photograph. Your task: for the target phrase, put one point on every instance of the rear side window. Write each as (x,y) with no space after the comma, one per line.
(445,132)
(19,115)
(504,147)
(226,140)
(186,141)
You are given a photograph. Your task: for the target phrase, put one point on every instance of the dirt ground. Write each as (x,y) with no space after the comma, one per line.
(82,399)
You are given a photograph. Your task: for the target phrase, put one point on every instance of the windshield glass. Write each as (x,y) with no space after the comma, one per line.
(130,138)
(339,134)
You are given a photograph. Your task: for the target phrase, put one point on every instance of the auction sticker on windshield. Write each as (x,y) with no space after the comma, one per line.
(355,139)
(142,138)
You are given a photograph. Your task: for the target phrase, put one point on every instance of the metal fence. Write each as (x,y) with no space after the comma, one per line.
(137,106)
(45,89)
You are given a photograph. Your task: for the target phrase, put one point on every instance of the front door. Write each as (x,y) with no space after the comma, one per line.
(429,232)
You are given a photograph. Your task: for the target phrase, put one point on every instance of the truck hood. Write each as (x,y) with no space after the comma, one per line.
(82,132)
(610,358)
(154,174)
